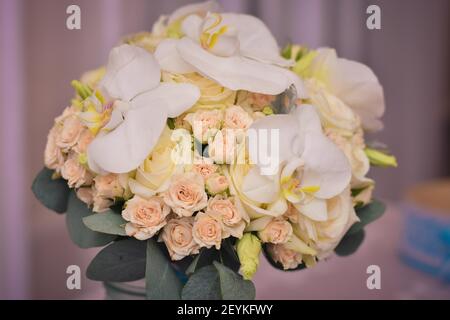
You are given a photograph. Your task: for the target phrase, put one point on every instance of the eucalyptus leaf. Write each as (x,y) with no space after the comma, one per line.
(204,258)
(106,222)
(350,243)
(161,281)
(232,285)
(81,235)
(52,193)
(204,284)
(367,214)
(229,256)
(121,261)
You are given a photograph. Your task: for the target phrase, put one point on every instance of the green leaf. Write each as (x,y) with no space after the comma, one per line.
(350,243)
(106,222)
(204,258)
(52,193)
(171,123)
(161,281)
(204,284)
(232,285)
(367,214)
(278,265)
(121,261)
(229,256)
(81,235)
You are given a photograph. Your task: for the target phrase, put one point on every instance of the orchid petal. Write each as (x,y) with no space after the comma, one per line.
(315,209)
(191,26)
(235,72)
(176,98)
(200,8)
(124,148)
(169,59)
(130,71)
(256,40)
(325,166)
(287,127)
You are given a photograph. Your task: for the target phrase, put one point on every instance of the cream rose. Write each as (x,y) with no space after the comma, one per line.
(146,216)
(75,173)
(108,186)
(53,156)
(207,230)
(288,258)
(177,235)
(222,149)
(237,118)
(70,132)
(232,216)
(186,194)
(216,183)
(324,236)
(276,231)
(205,123)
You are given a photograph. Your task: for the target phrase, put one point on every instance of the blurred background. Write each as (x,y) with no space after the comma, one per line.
(39,57)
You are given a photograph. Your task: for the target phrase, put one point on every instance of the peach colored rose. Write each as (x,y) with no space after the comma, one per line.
(207,230)
(205,169)
(177,235)
(289,259)
(186,194)
(101,204)
(259,100)
(230,215)
(108,186)
(205,123)
(75,173)
(83,142)
(145,216)
(86,195)
(216,183)
(53,156)
(276,231)
(70,132)
(222,149)
(237,118)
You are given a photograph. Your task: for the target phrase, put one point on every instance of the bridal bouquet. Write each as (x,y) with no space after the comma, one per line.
(201,147)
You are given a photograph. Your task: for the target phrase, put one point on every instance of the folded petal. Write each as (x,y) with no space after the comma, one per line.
(124,148)
(256,40)
(200,8)
(130,71)
(325,166)
(176,97)
(263,142)
(235,72)
(259,188)
(191,26)
(315,209)
(169,59)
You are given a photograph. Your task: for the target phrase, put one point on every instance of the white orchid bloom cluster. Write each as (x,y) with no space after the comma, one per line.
(207,86)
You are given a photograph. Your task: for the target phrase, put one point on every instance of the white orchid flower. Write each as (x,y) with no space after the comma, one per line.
(140,106)
(352,82)
(312,167)
(236,50)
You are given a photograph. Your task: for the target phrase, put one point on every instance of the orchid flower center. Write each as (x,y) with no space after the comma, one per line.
(95,113)
(293,190)
(218,38)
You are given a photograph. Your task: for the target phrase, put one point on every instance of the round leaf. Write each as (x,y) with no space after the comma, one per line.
(52,193)
(367,214)
(203,285)
(106,222)
(232,285)
(121,261)
(81,235)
